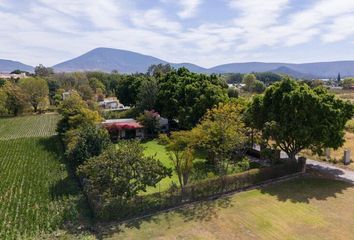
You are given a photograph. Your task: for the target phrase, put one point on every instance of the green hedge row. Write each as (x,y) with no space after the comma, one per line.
(147,204)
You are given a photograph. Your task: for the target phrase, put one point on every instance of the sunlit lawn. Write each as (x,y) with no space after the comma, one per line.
(306,208)
(152,148)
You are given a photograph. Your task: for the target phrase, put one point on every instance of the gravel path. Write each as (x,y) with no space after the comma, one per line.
(339,173)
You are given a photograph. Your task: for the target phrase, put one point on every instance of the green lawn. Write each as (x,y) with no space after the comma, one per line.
(306,208)
(28,126)
(152,148)
(37,194)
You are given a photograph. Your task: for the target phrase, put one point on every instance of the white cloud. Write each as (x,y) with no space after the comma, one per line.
(258,13)
(102,14)
(50,31)
(155,19)
(189,8)
(341,28)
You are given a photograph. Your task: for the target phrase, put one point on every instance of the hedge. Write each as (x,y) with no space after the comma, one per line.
(147,204)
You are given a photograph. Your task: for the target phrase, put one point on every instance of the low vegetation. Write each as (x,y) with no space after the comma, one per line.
(37,193)
(28,126)
(305,208)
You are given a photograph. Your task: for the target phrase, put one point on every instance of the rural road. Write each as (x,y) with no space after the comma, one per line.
(339,173)
(326,168)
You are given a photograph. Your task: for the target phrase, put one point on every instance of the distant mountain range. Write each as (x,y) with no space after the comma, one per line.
(8,66)
(108,59)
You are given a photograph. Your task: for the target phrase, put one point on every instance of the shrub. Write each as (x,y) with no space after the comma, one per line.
(120,173)
(86,142)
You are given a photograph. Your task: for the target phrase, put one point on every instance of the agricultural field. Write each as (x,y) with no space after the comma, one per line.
(37,193)
(304,208)
(344,94)
(28,126)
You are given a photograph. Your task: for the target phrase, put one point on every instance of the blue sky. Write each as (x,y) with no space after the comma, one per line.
(205,32)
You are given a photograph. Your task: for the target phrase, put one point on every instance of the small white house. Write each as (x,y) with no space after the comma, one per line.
(110,104)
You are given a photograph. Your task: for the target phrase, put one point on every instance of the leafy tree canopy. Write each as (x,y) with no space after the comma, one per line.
(221,133)
(122,171)
(296,117)
(36,91)
(185,96)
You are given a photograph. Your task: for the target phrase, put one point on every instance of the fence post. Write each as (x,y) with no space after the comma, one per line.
(328,154)
(347,157)
(302,164)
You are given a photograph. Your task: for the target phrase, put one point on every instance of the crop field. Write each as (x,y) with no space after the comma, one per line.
(37,194)
(305,208)
(28,126)
(344,94)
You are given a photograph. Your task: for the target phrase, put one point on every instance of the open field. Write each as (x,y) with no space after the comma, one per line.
(28,126)
(344,94)
(305,208)
(37,194)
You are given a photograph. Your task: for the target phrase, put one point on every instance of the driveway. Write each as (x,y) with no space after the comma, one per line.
(336,172)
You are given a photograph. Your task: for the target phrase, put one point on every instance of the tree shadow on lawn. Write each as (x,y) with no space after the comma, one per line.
(204,211)
(200,211)
(305,189)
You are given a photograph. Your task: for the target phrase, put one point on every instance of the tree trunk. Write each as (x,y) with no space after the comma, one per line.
(35,107)
(292,156)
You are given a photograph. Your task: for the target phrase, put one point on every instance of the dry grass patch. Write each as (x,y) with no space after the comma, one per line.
(306,208)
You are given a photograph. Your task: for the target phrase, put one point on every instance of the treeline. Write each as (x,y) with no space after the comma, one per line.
(178,94)
(265,77)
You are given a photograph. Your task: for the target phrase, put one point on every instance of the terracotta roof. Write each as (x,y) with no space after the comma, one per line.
(120,125)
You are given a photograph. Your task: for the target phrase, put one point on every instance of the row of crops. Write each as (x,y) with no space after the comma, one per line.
(28,126)
(37,195)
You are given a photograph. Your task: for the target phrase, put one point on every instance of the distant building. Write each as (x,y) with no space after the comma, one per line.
(13,75)
(66,95)
(112,103)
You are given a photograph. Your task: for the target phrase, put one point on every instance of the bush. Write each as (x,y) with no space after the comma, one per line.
(120,173)
(86,142)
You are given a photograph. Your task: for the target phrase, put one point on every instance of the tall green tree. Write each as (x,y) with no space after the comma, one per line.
(127,88)
(42,71)
(181,153)
(249,80)
(221,133)
(147,95)
(15,98)
(85,142)
(151,123)
(159,70)
(185,96)
(36,91)
(122,171)
(293,117)
(75,113)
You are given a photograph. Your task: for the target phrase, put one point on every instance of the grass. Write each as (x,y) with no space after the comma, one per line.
(152,148)
(28,126)
(37,193)
(344,94)
(305,208)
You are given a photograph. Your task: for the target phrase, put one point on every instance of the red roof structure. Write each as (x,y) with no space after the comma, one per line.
(121,124)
